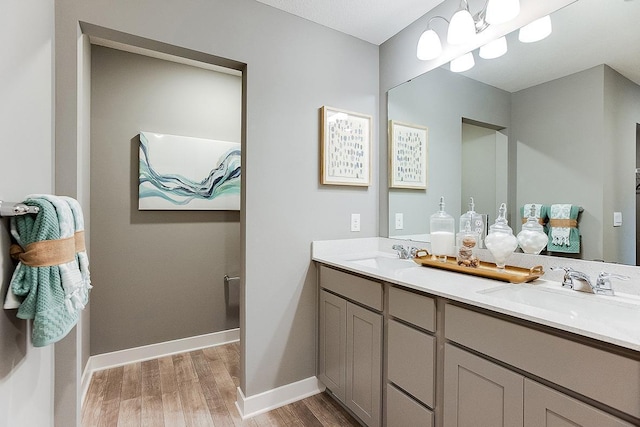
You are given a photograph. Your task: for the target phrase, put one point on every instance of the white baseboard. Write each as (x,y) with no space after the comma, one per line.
(273,399)
(153,351)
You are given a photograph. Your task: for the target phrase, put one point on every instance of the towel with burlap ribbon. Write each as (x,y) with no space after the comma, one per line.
(48,277)
(563,228)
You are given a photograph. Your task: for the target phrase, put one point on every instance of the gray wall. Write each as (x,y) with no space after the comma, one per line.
(157,275)
(622,115)
(26,164)
(560,143)
(440,100)
(287,80)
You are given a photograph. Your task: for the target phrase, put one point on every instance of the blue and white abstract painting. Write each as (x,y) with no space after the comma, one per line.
(185,173)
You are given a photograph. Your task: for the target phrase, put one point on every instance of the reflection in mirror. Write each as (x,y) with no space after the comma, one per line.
(549,122)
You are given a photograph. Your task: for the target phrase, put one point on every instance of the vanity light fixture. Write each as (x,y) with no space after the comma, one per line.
(535,31)
(462,63)
(463,26)
(494,49)
(501,11)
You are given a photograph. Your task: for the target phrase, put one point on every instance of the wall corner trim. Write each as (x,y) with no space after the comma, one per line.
(154,351)
(277,397)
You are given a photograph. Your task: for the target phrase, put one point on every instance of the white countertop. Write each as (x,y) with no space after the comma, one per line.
(611,319)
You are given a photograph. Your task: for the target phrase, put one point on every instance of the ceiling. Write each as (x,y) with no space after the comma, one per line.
(374,21)
(586,33)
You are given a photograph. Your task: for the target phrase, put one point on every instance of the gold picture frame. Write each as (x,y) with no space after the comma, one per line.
(408,155)
(345,147)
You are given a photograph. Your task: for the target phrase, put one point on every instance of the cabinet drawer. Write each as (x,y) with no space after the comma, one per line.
(411,361)
(403,411)
(363,291)
(414,308)
(606,377)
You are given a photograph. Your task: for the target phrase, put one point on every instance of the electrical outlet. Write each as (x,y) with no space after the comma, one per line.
(399,221)
(355,222)
(617,219)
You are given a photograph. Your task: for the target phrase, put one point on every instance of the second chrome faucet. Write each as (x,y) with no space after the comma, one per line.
(580,281)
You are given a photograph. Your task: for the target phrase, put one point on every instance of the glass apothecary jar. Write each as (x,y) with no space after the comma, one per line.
(442,233)
(532,238)
(500,241)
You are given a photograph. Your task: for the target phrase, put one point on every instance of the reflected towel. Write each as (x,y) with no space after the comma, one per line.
(541,212)
(564,235)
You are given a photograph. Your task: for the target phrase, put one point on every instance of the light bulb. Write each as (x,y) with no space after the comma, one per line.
(462,63)
(535,31)
(501,11)
(429,46)
(461,28)
(494,49)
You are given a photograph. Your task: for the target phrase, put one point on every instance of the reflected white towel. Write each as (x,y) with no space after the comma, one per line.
(560,235)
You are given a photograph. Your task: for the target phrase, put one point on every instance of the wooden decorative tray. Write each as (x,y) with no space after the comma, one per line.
(485,269)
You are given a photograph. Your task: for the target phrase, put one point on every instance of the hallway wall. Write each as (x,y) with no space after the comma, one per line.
(26,163)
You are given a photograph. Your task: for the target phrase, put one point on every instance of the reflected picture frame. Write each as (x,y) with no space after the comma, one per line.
(408,155)
(345,147)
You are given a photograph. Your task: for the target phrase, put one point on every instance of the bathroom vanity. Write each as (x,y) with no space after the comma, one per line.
(405,345)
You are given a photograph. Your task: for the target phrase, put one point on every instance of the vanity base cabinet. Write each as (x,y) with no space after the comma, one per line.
(403,411)
(479,393)
(545,407)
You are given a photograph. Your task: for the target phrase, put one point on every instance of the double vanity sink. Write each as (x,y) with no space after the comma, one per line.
(404,344)
(614,319)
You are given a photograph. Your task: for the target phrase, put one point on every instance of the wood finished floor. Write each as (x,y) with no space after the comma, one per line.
(193,389)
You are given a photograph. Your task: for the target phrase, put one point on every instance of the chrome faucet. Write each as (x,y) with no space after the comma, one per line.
(601,287)
(405,253)
(603,283)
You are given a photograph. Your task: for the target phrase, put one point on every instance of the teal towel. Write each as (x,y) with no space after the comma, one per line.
(564,239)
(41,287)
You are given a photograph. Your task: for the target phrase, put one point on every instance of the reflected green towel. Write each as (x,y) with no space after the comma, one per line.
(564,239)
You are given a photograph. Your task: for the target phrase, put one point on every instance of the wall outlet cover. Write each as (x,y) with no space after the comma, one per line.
(399,221)
(355,222)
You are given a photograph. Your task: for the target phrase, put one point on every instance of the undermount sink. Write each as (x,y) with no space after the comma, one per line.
(385,263)
(621,312)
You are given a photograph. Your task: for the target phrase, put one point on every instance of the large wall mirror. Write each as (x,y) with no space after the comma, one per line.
(554,121)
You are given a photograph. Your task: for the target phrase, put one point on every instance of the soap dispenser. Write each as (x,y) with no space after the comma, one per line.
(532,238)
(475,219)
(442,231)
(500,241)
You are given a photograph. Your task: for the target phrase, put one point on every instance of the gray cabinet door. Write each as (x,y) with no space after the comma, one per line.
(332,346)
(403,411)
(364,364)
(544,407)
(479,393)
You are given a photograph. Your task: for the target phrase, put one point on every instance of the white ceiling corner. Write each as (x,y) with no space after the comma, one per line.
(374,21)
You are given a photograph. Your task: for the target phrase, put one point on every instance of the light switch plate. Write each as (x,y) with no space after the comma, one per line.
(355,222)
(399,221)
(617,219)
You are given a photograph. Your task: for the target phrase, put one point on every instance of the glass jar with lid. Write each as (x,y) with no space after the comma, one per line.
(532,238)
(500,241)
(442,233)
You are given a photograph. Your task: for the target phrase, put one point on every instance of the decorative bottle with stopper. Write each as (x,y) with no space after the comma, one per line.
(532,238)
(467,242)
(474,218)
(500,241)
(442,231)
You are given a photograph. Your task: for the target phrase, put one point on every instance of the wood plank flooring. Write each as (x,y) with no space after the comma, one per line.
(193,389)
